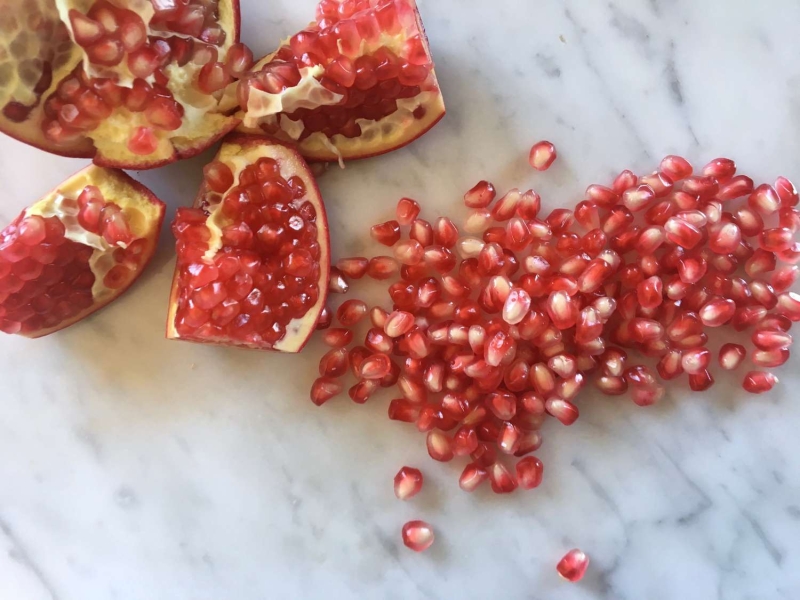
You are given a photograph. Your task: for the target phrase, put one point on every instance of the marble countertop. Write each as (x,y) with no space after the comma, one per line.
(139,469)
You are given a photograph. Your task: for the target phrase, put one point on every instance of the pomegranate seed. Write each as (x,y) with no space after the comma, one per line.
(351,312)
(717,312)
(324,389)
(334,363)
(353,268)
(786,192)
(670,366)
(731,356)
(472,477)
(481,195)
(766,339)
(403,410)
(506,207)
(399,323)
(407,211)
(700,382)
(563,410)
(638,198)
(573,566)
(764,199)
(759,382)
(676,167)
(440,447)
(529,473)
(542,155)
(375,367)
(737,187)
(418,536)
(382,267)
(387,233)
(503,482)
(770,358)
(409,252)
(682,233)
(407,483)
(562,310)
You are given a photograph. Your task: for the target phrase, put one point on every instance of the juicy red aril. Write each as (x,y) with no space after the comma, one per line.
(529,472)
(407,211)
(481,195)
(573,566)
(351,312)
(324,389)
(542,155)
(759,382)
(407,483)
(418,535)
(387,233)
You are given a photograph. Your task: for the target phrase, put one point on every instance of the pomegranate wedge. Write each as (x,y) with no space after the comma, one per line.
(253,254)
(358,82)
(75,250)
(133,84)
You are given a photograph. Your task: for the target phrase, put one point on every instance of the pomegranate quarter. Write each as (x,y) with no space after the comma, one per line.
(132,84)
(75,250)
(357,82)
(253,254)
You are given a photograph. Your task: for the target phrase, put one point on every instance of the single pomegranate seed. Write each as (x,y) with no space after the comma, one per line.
(759,382)
(765,200)
(143,141)
(382,267)
(786,192)
(375,367)
(387,233)
(573,566)
(717,312)
(353,268)
(502,480)
(767,339)
(337,337)
(407,483)
(481,195)
(407,211)
(324,389)
(731,356)
(529,473)
(440,446)
(472,477)
(562,310)
(700,382)
(638,198)
(676,167)
(334,363)
(542,155)
(563,410)
(218,176)
(403,410)
(789,305)
(409,252)
(351,312)
(682,233)
(418,536)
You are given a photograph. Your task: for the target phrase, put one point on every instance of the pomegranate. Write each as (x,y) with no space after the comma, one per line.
(357,82)
(253,254)
(132,84)
(75,250)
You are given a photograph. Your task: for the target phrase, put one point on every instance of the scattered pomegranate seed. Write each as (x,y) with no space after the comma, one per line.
(407,211)
(407,483)
(542,155)
(573,566)
(418,535)
(759,382)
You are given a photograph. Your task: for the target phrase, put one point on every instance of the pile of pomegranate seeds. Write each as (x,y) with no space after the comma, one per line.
(493,330)
(373,56)
(266,271)
(110,35)
(46,278)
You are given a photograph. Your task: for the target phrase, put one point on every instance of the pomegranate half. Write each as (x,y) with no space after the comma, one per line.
(133,84)
(357,82)
(254,253)
(76,250)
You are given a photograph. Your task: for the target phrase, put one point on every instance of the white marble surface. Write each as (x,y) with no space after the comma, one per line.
(136,468)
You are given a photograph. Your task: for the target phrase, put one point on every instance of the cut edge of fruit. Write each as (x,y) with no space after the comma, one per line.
(124,191)
(241,150)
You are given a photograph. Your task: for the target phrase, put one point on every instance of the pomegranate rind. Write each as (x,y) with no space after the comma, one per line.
(320,148)
(242,150)
(145,214)
(109,149)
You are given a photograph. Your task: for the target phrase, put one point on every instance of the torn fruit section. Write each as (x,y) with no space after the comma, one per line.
(75,251)
(134,85)
(359,81)
(253,253)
